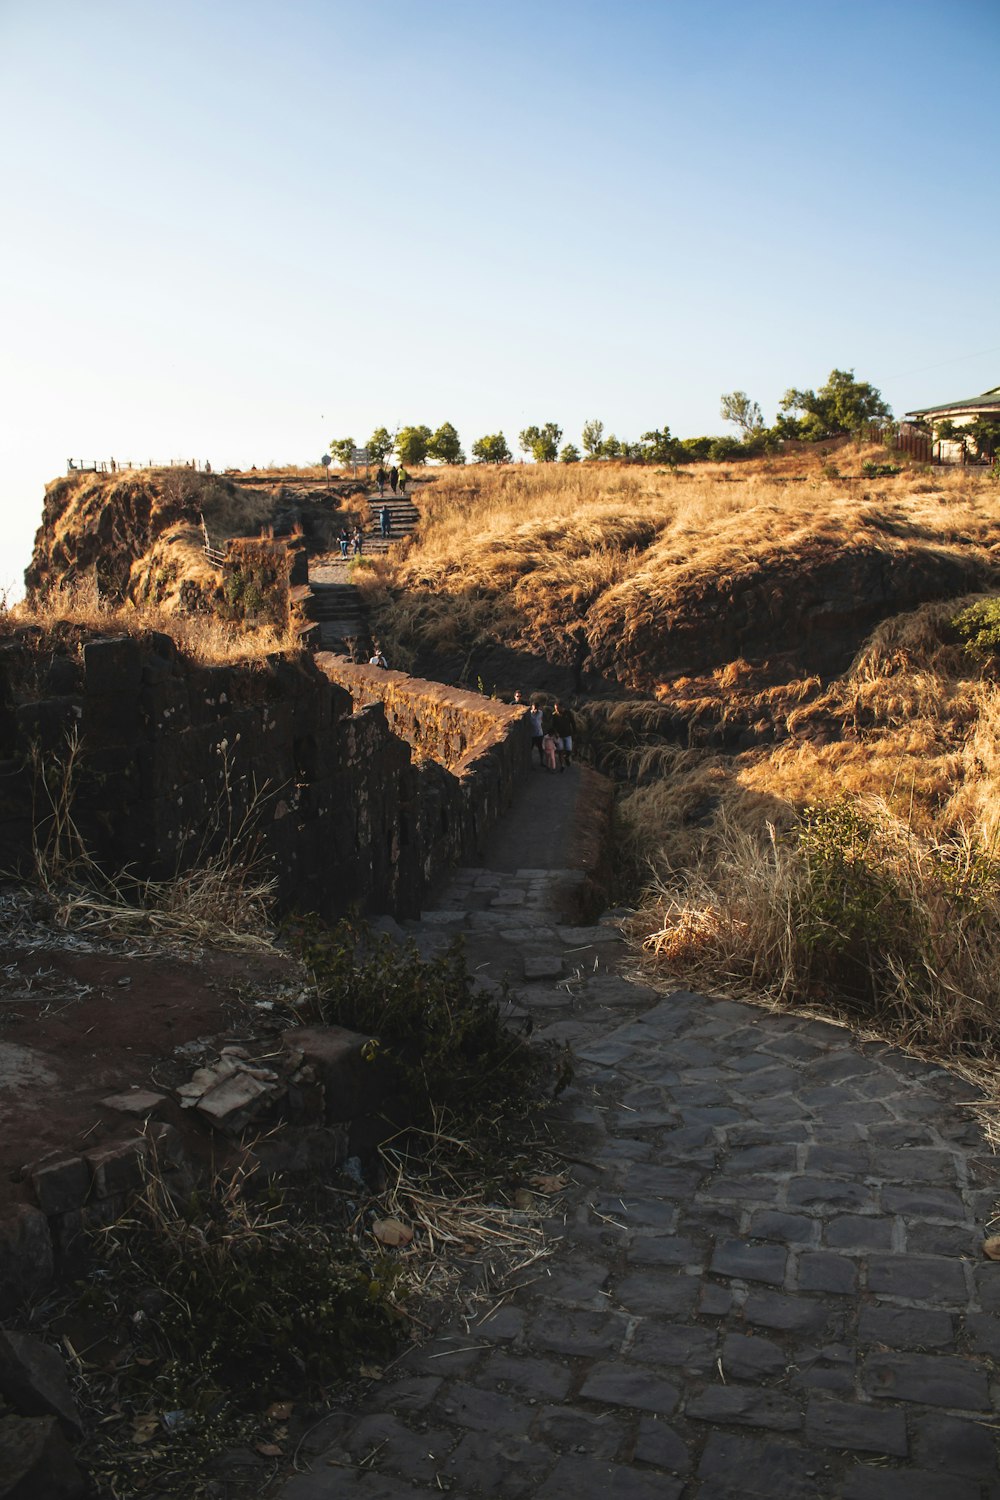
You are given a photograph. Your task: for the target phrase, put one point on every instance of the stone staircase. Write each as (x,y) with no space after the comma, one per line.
(336,605)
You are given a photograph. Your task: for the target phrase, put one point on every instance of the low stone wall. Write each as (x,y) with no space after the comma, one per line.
(471,753)
(358,787)
(440,723)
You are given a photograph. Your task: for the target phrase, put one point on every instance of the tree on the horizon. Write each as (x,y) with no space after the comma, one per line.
(491,450)
(746,414)
(411,445)
(570,454)
(541,442)
(840,406)
(592,438)
(445,445)
(380,445)
(343,450)
(659,446)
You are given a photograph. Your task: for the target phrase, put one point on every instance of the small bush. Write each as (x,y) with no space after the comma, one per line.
(979,626)
(448,1045)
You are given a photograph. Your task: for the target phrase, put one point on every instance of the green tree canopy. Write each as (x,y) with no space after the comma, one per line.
(491,450)
(659,446)
(541,442)
(380,445)
(412,445)
(570,454)
(342,448)
(746,414)
(592,438)
(842,405)
(445,445)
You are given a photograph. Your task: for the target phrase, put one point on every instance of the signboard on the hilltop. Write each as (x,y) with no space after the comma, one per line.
(326,460)
(359,456)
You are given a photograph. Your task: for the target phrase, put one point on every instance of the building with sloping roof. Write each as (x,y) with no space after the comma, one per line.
(986,405)
(960,414)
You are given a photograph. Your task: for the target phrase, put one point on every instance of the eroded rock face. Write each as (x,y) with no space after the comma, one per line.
(812,611)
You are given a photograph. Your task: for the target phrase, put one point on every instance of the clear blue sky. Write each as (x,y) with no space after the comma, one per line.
(236,230)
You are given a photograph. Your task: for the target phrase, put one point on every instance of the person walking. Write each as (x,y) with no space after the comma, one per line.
(393,478)
(404,480)
(359,538)
(384,521)
(343,540)
(564,726)
(380,478)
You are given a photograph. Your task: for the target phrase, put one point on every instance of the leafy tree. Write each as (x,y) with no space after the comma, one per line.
(659,447)
(694,450)
(593,438)
(570,454)
(737,407)
(380,445)
(445,445)
(491,450)
(412,445)
(541,442)
(985,433)
(610,448)
(342,448)
(842,405)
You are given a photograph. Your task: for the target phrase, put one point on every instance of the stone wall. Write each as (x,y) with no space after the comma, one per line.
(470,752)
(359,787)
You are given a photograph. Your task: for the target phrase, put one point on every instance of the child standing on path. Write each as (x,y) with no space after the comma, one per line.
(550,747)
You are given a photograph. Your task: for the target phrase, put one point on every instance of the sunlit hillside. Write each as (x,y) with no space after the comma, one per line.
(766,657)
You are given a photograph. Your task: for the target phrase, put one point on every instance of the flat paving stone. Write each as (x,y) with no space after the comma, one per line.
(766,1277)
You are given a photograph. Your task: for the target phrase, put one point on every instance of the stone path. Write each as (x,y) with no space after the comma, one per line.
(770,1279)
(336,601)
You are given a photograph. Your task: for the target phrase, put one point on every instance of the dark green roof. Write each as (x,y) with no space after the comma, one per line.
(987,401)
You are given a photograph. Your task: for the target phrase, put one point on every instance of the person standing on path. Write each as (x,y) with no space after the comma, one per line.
(380,478)
(564,726)
(393,478)
(537,733)
(404,480)
(384,520)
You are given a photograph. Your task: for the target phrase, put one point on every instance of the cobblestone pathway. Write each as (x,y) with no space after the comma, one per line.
(770,1281)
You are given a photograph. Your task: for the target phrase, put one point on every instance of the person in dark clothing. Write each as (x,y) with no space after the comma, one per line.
(380,478)
(564,725)
(384,520)
(393,478)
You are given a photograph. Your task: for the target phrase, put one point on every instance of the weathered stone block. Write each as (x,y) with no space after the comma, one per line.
(113,667)
(117,1168)
(33,1380)
(61,1185)
(36,1461)
(352,1084)
(26,1256)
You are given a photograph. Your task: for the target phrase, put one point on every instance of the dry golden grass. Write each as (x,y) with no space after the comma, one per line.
(526,556)
(202,636)
(734,897)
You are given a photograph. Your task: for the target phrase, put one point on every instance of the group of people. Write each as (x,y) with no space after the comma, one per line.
(396,479)
(552,732)
(351,539)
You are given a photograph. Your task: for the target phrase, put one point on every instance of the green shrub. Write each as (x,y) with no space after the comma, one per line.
(979,626)
(853,919)
(447,1045)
